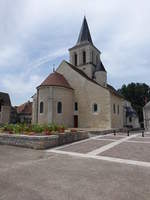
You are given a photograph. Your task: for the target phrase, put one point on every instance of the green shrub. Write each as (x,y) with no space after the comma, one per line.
(36,128)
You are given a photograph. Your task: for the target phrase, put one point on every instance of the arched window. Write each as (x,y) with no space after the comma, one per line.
(118,109)
(95,108)
(130,119)
(41,107)
(76,106)
(75,59)
(84,57)
(59,107)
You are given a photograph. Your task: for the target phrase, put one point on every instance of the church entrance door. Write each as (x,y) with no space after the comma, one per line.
(75,121)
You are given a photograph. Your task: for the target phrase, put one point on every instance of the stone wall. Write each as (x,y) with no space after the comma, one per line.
(101,78)
(92,57)
(5,114)
(34,109)
(41,142)
(86,94)
(146,115)
(50,96)
(116,117)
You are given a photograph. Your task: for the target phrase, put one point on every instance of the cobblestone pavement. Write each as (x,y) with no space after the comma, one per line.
(99,168)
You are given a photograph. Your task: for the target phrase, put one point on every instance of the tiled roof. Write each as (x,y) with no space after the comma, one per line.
(5,99)
(55,79)
(25,108)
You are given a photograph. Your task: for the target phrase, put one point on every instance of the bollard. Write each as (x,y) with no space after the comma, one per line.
(114,133)
(142,133)
(128,133)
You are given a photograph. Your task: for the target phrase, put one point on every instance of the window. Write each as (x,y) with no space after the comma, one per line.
(114,108)
(95,108)
(75,59)
(84,57)
(97,59)
(76,106)
(118,109)
(41,107)
(130,119)
(1,104)
(59,107)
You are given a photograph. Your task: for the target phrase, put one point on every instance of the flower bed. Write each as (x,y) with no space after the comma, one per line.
(45,137)
(34,129)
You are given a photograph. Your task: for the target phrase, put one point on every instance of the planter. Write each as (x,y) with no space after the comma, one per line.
(41,142)
(69,137)
(34,142)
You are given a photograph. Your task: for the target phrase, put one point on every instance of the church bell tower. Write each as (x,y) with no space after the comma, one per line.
(86,57)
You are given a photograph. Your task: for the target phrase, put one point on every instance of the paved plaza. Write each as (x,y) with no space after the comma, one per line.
(99,168)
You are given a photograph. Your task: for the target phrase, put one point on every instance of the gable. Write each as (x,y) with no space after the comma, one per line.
(83,75)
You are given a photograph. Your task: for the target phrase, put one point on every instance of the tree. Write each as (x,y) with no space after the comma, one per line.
(138,94)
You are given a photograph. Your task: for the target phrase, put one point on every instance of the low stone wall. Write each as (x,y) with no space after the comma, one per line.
(41,142)
(69,137)
(105,132)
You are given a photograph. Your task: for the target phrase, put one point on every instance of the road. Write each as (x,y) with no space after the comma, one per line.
(100,168)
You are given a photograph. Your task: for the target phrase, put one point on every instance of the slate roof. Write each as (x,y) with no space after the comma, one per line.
(84,35)
(5,99)
(55,79)
(113,90)
(100,67)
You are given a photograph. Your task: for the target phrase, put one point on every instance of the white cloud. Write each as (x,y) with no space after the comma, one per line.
(34,32)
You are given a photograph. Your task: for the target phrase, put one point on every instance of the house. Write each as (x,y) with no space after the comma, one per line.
(5,108)
(146,116)
(24,112)
(130,117)
(77,93)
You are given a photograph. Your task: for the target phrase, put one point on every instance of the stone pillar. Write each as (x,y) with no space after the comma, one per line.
(50,106)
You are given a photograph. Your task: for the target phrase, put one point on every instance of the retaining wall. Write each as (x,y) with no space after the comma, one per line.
(41,142)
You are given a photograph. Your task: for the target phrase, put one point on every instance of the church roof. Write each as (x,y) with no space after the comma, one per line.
(84,35)
(55,79)
(109,87)
(5,99)
(100,67)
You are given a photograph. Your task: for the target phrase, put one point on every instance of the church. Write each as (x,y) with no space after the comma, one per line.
(77,93)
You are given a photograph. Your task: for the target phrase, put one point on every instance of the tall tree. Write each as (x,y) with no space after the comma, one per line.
(138,94)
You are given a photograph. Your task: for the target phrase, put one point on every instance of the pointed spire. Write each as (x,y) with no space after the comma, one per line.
(84,35)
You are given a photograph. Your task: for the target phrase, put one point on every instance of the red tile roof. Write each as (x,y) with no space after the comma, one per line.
(55,79)
(25,108)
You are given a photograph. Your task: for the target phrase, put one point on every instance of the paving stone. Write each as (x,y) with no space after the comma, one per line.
(86,146)
(131,151)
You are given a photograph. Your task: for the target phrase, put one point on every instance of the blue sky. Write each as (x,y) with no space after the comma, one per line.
(36,34)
